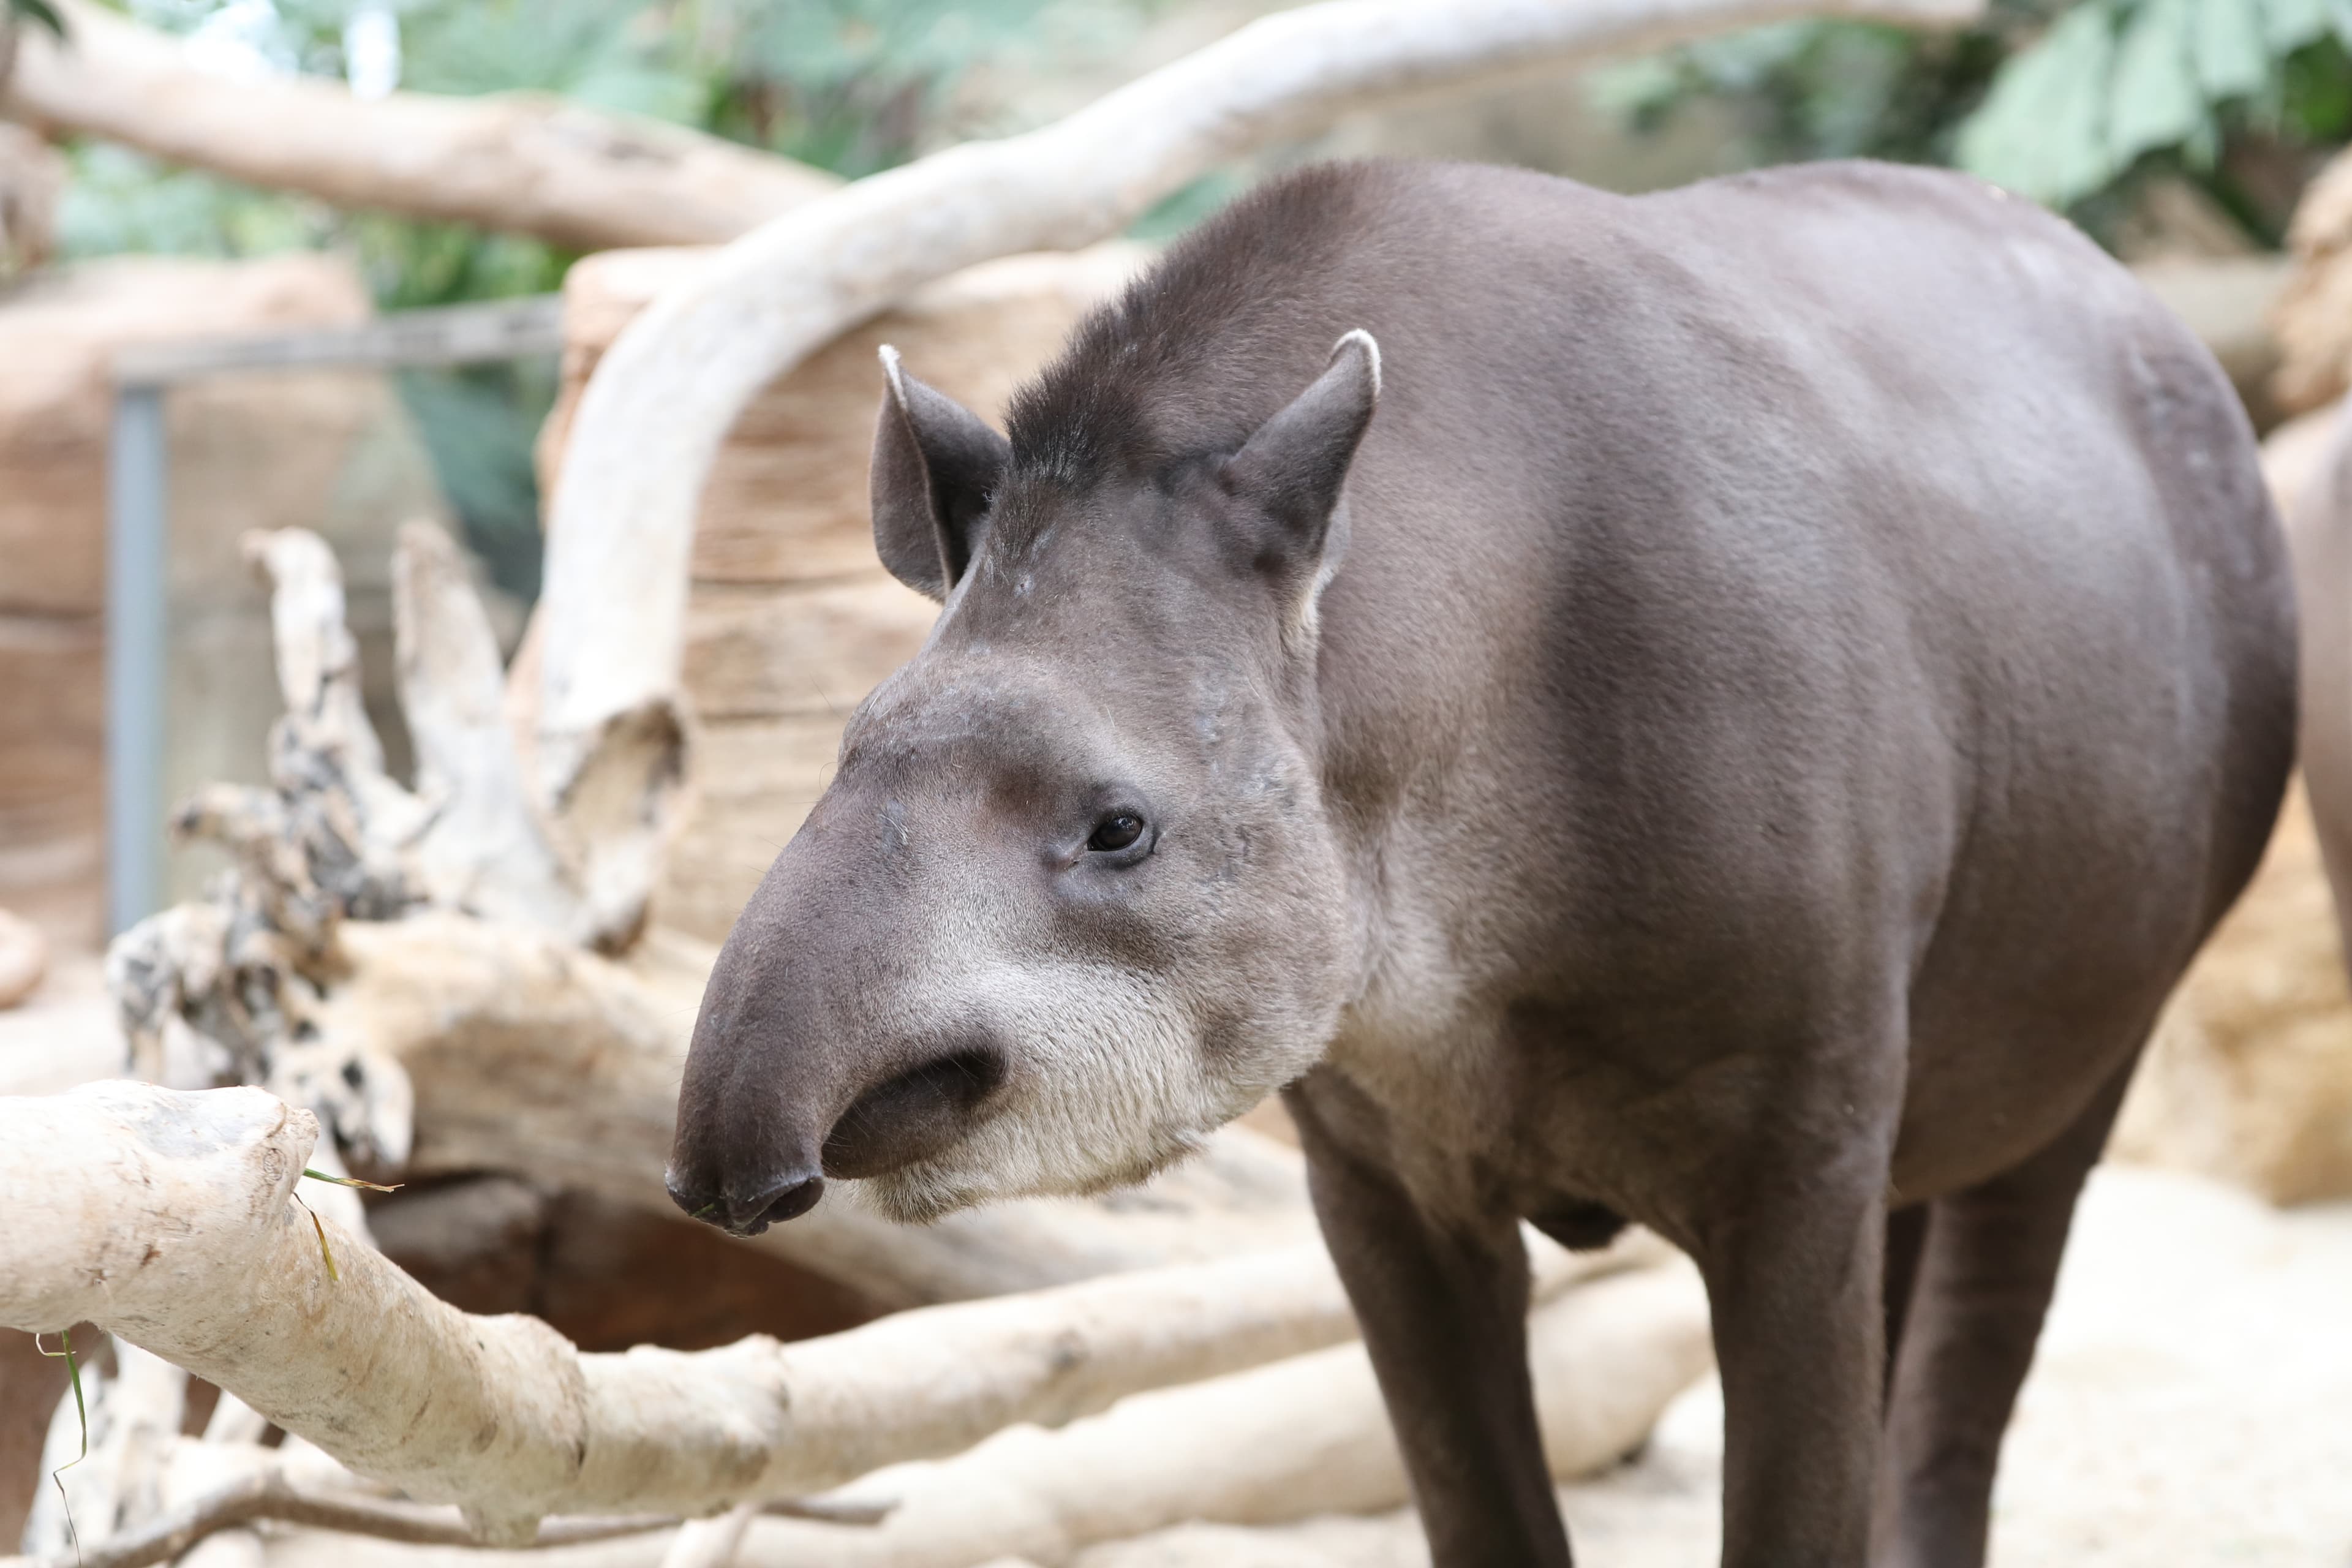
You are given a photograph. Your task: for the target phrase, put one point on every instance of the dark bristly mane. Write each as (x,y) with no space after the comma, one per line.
(1216,336)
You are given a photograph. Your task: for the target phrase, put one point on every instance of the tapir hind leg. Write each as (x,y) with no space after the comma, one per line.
(1907,1239)
(1985,1275)
(1443,1311)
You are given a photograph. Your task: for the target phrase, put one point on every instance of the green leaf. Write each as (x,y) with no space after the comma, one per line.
(2288,24)
(2232,57)
(2153,98)
(2041,131)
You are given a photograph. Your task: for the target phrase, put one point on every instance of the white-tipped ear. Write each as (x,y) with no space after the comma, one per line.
(935,465)
(1360,338)
(1293,470)
(1293,465)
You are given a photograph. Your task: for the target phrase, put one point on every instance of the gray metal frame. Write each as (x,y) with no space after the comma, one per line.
(139,533)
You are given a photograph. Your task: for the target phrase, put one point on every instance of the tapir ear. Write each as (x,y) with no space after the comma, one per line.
(935,465)
(1292,468)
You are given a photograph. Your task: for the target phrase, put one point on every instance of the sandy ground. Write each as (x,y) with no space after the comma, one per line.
(2191,1405)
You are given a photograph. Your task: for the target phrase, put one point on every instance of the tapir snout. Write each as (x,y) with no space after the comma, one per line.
(759,1164)
(830,1071)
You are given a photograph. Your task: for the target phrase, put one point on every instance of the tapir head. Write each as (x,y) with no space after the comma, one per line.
(1071,899)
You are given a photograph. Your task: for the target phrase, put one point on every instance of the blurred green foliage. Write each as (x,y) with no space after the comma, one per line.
(2071,104)
(40,13)
(853,86)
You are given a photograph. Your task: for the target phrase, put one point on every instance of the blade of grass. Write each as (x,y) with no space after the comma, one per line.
(81,1410)
(349,1181)
(324,1251)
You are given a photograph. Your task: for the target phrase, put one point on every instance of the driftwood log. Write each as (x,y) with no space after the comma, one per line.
(1288,1441)
(167,1219)
(538,165)
(2312,316)
(24,958)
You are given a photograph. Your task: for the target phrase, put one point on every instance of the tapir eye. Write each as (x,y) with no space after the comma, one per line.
(1119,830)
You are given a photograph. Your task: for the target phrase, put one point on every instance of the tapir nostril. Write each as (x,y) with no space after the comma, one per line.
(787,1199)
(914,1114)
(792,1203)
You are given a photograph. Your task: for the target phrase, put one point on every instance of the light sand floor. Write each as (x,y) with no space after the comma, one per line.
(2191,1405)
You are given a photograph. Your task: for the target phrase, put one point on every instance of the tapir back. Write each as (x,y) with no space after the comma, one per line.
(1835,566)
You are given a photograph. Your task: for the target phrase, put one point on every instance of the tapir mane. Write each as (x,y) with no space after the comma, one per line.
(1207,344)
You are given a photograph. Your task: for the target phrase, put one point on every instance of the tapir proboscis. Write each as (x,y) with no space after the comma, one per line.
(1728,709)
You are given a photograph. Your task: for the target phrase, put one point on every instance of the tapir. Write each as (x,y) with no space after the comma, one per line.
(1728,710)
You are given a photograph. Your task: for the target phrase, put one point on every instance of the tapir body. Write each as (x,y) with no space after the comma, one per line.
(1728,708)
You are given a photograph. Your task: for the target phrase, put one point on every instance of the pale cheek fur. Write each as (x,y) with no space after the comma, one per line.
(1109,1084)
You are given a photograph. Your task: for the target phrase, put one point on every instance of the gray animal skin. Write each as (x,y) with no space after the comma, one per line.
(1743,740)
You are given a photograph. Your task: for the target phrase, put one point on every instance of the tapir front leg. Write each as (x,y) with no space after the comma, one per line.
(1794,1278)
(1443,1311)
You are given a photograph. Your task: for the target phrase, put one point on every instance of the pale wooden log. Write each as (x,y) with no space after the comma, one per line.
(133,1423)
(213,1489)
(232,983)
(241,1484)
(484,850)
(2311,315)
(326,761)
(165,1221)
(24,959)
(1298,1438)
(270,1496)
(578,177)
(234,1421)
(2299,451)
(612,734)
(1285,1442)
(710,1542)
(32,177)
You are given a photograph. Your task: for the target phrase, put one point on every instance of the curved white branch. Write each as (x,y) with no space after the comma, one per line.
(513,161)
(611,725)
(163,1217)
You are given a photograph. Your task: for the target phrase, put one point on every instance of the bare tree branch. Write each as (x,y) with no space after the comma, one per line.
(163,1217)
(529,165)
(270,1495)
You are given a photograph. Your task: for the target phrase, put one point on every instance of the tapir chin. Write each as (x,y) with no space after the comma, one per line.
(1728,709)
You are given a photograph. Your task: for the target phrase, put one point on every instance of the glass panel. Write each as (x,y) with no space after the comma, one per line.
(344,453)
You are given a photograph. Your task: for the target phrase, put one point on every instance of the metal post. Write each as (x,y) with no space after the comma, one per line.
(138,533)
(138,606)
